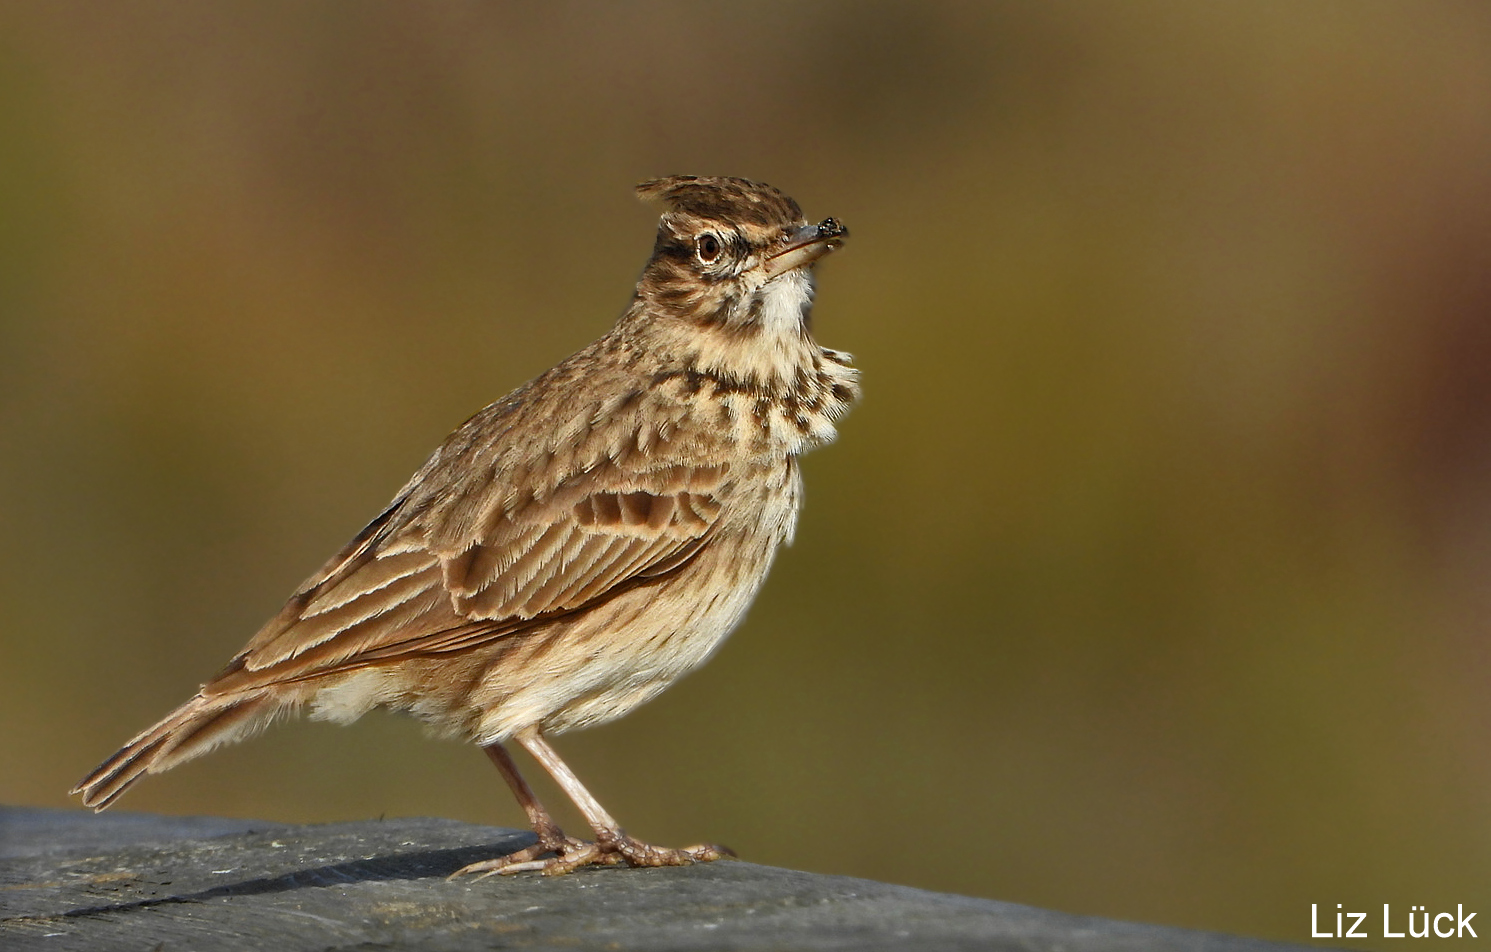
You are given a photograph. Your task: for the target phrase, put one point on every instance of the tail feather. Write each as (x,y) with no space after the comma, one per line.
(191,730)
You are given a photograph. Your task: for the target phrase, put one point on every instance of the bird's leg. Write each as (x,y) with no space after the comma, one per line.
(551,839)
(612,844)
(543,824)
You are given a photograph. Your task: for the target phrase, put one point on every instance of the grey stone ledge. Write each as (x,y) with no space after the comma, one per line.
(70,880)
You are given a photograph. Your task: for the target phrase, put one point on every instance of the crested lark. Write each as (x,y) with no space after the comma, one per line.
(575,547)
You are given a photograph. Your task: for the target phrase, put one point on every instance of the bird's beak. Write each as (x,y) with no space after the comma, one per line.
(809,244)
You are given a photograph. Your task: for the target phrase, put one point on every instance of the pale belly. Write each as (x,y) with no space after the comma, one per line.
(623,653)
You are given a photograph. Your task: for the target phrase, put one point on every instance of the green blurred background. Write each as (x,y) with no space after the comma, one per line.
(1149,580)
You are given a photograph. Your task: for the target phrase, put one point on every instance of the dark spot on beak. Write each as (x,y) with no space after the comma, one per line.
(831,228)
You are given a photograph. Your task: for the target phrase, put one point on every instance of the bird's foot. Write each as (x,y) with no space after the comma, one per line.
(527,858)
(637,853)
(609,849)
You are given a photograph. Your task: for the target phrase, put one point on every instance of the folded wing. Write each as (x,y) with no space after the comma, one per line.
(448,573)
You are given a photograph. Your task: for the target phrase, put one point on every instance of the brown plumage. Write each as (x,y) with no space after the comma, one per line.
(576,546)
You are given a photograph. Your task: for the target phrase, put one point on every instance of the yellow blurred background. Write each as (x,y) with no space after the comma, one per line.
(1149,580)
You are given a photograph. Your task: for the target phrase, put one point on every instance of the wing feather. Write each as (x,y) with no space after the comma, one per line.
(391,626)
(624,565)
(382,571)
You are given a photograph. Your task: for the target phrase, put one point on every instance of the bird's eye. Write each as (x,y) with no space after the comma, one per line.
(708,248)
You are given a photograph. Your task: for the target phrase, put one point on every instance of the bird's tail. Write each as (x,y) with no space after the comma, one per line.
(191,730)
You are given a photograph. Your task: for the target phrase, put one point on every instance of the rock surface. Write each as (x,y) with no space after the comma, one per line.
(71,880)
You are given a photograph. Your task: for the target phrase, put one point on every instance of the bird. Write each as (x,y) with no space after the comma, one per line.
(577,546)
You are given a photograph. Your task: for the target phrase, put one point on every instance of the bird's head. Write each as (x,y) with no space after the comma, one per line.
(733,254)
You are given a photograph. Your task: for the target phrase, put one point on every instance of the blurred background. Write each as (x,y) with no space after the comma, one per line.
(1149,580)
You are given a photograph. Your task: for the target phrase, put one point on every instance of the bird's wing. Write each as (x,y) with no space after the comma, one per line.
(452,570)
